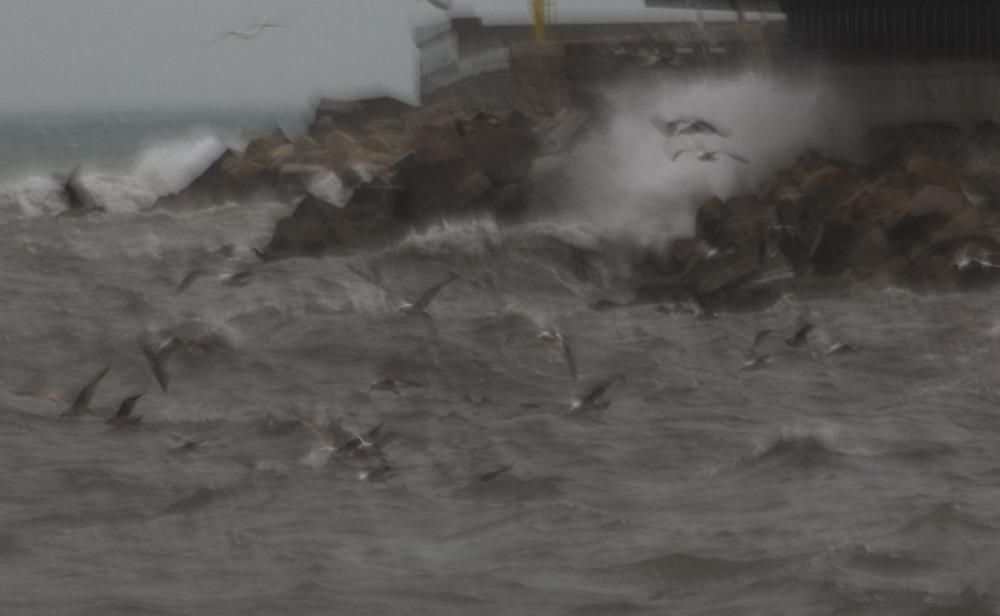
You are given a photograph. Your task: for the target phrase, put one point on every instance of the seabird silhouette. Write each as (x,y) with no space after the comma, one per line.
(710,157)
(686,126)
(593,398)
(248,34)
(552,336)
(801,335)
(444,5)
(493,475)
(82,403)
(186,445)
(390,384)
(361,442)
(157,359)
(755,359)
(189,280)
(124,415)
(821,342)
(419,307)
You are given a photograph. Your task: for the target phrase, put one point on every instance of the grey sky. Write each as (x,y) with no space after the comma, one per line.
(125,54)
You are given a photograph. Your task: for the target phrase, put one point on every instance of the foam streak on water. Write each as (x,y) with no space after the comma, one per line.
(858,484)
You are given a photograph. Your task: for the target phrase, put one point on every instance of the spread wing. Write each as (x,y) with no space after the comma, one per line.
(737,157)
(568,356)
(666,127)
(429,295)
(189,280)
(157,359)
(83,399)
(601,387)
(678,153)
(127,406)
(764,335)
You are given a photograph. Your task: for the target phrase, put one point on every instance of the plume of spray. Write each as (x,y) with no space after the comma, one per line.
(624,179)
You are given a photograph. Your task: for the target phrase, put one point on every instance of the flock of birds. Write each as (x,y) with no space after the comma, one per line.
(688,126)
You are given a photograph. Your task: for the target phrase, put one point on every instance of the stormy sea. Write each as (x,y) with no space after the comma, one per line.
(315,451)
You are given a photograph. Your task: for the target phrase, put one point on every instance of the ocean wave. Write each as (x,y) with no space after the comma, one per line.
(161,168)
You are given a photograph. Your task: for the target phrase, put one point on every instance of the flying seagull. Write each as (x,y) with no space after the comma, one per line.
(821,342)
(552,336)
(419,307)
(710,157)
(390,384)
(444,5)
(124,415)
(248,34)
(594,398)
(82,403)
(493,475)
(157,358)
(686,126)
(360,443)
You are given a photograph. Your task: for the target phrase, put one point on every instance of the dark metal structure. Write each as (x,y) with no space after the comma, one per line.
(894,30)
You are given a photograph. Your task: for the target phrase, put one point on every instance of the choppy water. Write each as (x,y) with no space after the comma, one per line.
(859,484)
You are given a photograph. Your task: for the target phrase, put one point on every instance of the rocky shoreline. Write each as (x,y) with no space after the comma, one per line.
(918,213)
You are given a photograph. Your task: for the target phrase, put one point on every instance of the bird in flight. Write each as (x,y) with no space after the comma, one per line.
(710,157)
(686,126)
(250,33)
(419,307)
(444,5)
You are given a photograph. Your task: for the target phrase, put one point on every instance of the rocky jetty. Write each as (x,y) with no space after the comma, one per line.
(920,212)
(393,168)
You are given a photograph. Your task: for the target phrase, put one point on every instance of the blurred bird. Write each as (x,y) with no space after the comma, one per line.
(124,415)
(82,403)
(594,398)
(250,33)
(710,157)
(419,307)
(686,126)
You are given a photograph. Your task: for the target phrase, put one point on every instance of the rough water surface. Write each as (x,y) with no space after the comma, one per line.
(863,483)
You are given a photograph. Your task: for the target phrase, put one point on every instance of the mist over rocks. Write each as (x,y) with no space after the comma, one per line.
(913,205)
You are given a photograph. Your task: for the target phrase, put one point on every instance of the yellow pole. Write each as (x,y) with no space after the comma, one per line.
(538,18)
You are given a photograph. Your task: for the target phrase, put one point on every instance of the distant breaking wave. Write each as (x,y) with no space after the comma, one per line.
(161,168)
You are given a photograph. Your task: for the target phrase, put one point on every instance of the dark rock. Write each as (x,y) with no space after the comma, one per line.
(503,154)
(369,220)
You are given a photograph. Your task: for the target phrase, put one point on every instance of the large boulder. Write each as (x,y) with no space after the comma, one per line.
(369,220)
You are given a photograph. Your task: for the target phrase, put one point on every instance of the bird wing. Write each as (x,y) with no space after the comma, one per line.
(568,356)
(601,387)
(429,295)
(82,402)
(128,404)
(762,336)
(737,157)
(189,280)
(156,358)
(704,126)
(663,125)
(444,5)
(678,153)
(801,335)
(490,476)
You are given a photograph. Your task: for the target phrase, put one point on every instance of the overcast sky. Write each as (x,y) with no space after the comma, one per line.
(135,54)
